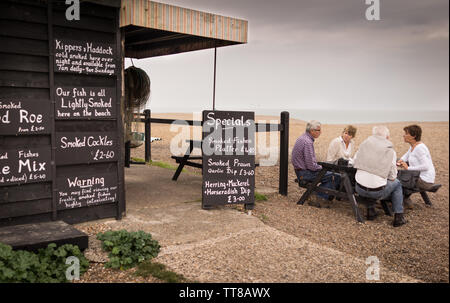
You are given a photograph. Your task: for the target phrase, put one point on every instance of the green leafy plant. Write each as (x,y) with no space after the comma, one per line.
(47,265)
(127,249)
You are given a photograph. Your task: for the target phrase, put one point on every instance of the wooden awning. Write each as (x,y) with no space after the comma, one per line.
(155,29)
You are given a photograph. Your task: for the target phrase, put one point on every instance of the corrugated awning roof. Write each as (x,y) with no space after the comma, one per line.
(155,29)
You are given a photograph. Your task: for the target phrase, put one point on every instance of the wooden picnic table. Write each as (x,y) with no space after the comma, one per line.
(184,160)
(345,192)
(347,189)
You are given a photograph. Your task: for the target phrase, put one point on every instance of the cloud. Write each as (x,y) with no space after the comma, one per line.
(321,53)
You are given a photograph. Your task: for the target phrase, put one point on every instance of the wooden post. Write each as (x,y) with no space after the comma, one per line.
(127,154)
(51,80)
(120,92)
(148,138)
(284,153)
(214,85)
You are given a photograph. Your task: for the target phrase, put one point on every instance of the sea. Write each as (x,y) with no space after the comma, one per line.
(339,116)
(363,116)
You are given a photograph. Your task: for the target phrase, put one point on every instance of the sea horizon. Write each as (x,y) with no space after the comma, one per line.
(337,116)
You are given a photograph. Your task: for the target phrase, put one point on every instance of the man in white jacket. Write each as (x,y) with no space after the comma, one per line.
(376,175)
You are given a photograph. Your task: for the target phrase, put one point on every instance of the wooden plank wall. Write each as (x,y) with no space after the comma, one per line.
(27,73)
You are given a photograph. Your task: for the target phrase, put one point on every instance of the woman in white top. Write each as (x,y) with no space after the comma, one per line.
(417,157)
(342,146)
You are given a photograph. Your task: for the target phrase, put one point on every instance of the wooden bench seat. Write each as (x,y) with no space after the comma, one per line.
(408,192)
(187,162)
(302,183)
(367,202)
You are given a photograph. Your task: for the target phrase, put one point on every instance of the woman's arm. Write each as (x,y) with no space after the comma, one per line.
(405,157)
(333,151)
(421,157)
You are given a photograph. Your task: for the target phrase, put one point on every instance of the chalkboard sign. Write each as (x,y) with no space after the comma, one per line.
(228,158)
(84,57)
(24,117)
(78,103)
(60,114)
(75,148)
(25,165)
(86,190)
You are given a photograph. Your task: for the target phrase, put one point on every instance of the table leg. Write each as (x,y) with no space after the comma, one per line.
(425,198)
(249,206)
(182,163)
(351,197)
(311,187)
(179,169)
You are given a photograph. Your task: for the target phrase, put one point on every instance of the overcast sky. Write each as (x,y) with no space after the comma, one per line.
(314,54)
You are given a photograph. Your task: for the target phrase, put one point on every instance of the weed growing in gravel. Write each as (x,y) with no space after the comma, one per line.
(260,197)
(194,201)
(140,160)
(264,218)
(165,165)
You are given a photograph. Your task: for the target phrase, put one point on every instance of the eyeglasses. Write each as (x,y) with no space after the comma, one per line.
(317,130)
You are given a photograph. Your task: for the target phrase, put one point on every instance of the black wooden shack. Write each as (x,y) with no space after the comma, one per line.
(61,90)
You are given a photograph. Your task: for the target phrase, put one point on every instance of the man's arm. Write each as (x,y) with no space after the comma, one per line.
(393,172)
(310,158)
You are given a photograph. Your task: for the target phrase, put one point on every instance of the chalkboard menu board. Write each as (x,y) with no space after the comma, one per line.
(61,130)
(84,57)
(86,190)
(89,147)
(24,117)
(78,103)
(228,158)
(25,165)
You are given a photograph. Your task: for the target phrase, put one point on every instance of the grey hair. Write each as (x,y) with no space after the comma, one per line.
(313,124)
(380,130)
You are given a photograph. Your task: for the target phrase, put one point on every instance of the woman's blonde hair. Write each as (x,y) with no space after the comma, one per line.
(350,130)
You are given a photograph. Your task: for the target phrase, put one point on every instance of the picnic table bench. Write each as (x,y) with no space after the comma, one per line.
(347,191)
(408,191)
(186,158)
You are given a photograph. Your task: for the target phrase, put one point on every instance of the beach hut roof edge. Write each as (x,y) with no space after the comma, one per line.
(156,29)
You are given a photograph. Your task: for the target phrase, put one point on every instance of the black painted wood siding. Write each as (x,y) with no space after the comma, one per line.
(27,32)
